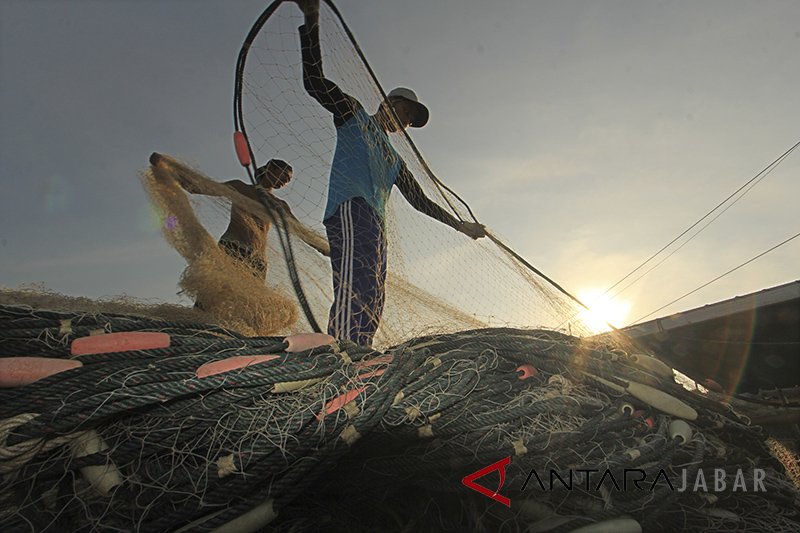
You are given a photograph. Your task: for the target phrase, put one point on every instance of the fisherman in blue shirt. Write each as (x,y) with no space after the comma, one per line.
(365,167)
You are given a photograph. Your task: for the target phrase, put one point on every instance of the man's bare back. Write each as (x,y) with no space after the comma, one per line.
(244,229)
(245,239)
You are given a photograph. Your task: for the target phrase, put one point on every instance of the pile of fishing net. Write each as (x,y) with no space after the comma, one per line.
(128,423)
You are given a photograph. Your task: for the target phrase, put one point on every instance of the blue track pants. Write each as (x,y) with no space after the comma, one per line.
(358,259)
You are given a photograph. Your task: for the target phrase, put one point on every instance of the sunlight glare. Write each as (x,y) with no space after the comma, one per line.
(602,310)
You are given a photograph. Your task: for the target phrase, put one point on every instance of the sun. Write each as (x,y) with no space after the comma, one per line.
(602,310)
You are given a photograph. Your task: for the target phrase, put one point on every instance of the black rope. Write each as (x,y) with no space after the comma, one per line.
(275,214)
(446,407)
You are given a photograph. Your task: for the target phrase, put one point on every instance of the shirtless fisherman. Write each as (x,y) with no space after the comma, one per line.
(245,239)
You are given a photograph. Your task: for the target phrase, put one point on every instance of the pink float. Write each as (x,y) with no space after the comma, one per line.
(120,342)
(305,341)
(19,371)
(231,363)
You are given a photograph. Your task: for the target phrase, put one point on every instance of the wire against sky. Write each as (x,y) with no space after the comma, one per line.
(717,278)
(744,189)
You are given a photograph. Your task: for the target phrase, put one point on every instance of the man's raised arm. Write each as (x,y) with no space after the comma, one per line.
(323,90)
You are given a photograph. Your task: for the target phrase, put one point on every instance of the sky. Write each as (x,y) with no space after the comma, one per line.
(587,134)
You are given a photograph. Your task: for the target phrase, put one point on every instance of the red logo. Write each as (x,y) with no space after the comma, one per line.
(500,466)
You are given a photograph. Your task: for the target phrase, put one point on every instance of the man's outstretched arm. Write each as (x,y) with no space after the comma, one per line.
(297,227)
(417,198)
(323,90)
(188,186)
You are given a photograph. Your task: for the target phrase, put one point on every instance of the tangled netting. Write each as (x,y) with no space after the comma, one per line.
(224,289)
(438,278)
(220,432)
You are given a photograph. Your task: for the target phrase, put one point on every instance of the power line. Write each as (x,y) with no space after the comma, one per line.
(746,187)
(695,234)
(752,182)
(717,278)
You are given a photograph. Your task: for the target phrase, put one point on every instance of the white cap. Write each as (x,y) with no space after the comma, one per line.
(421,114)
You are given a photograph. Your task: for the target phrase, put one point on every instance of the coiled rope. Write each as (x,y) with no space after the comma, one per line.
(342,436)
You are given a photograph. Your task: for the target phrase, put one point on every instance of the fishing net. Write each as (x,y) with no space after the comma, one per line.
(230,427)
(215,431)
(37,296)
(223,287)
(439,280)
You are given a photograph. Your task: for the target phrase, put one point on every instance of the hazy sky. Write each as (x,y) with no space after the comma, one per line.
(587,134)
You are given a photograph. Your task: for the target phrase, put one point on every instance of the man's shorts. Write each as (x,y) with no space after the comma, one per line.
(246,255)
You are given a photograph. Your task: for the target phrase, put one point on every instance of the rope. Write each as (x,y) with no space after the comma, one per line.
(207,451)
(275,214)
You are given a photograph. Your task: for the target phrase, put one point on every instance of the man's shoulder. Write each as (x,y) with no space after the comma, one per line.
(274,200)
(350,110)
(281,203)
(239,186)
